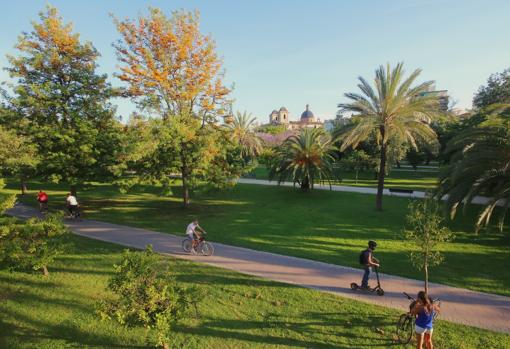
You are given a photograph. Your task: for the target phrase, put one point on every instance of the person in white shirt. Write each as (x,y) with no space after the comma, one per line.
(72,204)
(194,232)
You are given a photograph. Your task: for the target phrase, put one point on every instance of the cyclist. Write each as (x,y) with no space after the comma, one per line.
(72,204)
(424,310)
(194,232)
(368,260)
(42,198)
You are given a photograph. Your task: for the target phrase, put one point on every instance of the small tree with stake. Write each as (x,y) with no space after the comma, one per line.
(427,233)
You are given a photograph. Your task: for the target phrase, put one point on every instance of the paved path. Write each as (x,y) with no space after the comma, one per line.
(458,305)
(361,190)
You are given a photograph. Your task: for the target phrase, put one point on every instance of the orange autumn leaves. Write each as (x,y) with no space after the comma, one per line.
(53,45)
(171,63)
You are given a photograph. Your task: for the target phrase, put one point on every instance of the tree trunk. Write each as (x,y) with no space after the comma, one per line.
(380,177)
(426,269)
(184,177)
(23,187)
(44,270)
(73,189)
(305,184)
(185,190)
(356,176)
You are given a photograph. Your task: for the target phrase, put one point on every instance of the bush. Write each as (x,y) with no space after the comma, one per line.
(145,295)
(32,244)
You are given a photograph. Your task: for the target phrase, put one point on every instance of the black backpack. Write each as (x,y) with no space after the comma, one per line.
(362,257)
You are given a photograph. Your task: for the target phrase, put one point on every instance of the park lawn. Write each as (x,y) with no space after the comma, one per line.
(236,311)
(331,227)
(415,180)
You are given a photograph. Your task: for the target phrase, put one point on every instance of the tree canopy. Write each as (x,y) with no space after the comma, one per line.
(62,101)
(497,90)
(395,109)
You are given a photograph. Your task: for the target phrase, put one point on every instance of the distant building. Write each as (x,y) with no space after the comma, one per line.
(307,120)
(443,97)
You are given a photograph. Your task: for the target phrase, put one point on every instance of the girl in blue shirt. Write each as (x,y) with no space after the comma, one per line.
(425,311)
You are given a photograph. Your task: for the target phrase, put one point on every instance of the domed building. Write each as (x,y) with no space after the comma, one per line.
(307,120)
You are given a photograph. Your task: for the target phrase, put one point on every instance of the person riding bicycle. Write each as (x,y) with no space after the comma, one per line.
(368,260)
(72,204)
(42,198)
(424,310)
(194,232)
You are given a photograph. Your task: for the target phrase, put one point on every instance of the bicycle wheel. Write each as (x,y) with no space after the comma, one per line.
(206,248)
(405,328)
(186,245)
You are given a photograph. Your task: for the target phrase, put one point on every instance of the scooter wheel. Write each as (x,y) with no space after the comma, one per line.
(354,286)
(380,292)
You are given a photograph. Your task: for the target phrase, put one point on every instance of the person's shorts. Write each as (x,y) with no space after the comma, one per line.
(43,201)
(422,330)
(190,236)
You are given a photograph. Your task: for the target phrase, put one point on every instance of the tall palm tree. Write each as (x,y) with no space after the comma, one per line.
(305,158)
(242,132)
(393,109)
(480,165)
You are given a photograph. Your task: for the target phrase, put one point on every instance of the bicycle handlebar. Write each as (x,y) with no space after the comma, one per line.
(408,296)
(434,300)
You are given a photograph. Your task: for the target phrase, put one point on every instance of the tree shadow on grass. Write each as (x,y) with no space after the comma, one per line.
(305,326)
(66,330)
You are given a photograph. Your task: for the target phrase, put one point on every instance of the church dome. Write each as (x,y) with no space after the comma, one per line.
(283,109)
(307,115)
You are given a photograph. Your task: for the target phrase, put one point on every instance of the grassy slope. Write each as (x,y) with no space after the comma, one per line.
(238,311)
(322,225)
(396,179)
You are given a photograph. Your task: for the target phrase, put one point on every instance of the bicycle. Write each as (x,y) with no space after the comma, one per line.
(43,207)
(405,323)
(202,247)
(74,213)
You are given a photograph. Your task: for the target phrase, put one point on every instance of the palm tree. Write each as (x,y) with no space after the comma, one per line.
(394,109)
(241,127)
(480,165)
(305,158)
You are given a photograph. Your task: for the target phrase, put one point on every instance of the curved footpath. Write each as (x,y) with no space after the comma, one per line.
(481,200)
(462,306)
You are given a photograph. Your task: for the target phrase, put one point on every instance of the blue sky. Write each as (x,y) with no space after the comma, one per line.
(290,53)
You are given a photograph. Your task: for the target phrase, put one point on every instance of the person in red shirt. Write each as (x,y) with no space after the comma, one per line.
(42,197)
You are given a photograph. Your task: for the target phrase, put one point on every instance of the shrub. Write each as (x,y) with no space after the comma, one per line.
(32,244)
(145,295)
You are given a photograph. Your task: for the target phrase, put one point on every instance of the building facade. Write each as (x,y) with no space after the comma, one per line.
(307,119)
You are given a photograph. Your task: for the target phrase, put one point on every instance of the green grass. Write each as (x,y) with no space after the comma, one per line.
(331,227)
(396,179)
(237,311)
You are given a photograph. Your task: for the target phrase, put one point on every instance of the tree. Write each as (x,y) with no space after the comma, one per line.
(358,161)
(32,244)
(173,71)
(415,158)
(146,295)
(272,129)
(241,132)
(497,90)
(480,165)
(305,158)
(62,101)
(18,156)
(394,109)
(426,232)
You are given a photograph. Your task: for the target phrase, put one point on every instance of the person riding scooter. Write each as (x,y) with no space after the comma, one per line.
(368,260)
